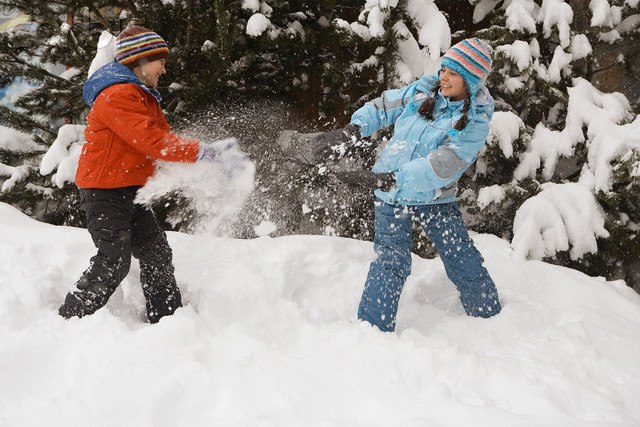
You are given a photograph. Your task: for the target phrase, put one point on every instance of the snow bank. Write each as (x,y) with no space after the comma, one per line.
(268,336)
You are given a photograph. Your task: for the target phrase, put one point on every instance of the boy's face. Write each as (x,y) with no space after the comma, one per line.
(150,72)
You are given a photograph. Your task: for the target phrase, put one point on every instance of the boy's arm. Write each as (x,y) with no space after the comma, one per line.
(125,113)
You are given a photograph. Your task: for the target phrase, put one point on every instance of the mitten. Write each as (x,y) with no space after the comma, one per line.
(214,151)
(367,179)
(333,141)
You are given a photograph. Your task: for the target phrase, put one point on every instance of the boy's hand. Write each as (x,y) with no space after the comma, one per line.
(212,152)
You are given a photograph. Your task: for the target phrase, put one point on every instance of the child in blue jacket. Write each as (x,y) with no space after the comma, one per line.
(441,123)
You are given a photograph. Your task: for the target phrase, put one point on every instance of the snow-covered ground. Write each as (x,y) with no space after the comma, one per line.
(268,336)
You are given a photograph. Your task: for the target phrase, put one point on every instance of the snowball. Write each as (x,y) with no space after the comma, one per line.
(265,228)
(216,190)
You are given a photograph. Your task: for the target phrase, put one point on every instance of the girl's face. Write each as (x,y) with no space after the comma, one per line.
(150,72)
(452,84)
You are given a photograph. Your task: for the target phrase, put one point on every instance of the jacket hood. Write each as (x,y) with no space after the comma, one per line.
(109,75)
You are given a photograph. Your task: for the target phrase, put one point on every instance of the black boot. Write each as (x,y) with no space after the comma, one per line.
(162,302)
(86,301)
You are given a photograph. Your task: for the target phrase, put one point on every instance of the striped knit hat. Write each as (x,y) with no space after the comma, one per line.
(136,43)
(471,58)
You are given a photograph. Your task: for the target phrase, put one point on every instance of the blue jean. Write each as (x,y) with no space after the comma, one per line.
(445,227)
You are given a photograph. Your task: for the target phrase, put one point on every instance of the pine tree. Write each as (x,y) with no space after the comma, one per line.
(537,62)
(53,59)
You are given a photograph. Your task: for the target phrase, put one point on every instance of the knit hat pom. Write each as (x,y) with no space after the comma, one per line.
(135,43)
(471,58)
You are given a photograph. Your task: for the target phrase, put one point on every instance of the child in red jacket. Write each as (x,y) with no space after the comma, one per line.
(126,133)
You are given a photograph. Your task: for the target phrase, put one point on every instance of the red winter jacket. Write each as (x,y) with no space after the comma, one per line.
(126,132)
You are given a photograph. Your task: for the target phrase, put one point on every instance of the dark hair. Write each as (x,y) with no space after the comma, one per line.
(429,104)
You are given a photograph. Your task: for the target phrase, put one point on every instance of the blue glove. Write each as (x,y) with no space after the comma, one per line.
(214,151)
(224,156)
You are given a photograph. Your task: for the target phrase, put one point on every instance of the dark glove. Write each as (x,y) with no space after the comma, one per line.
(367,179)
(328,144)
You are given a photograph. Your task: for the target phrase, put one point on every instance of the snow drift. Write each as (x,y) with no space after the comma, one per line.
(268,336)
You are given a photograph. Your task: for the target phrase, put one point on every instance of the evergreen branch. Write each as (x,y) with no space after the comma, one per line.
(598,70)
(103,21)
(74,43)
(22,121)
(133,8)
(35,67)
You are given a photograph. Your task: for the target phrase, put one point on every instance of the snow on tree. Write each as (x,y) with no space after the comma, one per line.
(576,147)
(564,136)
(48,60)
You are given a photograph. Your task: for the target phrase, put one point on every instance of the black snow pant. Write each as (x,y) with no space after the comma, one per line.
(121,228)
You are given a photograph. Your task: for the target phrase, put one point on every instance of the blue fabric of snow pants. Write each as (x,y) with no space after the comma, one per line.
(444,225)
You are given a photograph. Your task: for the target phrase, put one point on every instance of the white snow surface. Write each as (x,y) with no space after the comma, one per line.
(580,46)
(268,336)
(257,24)
(483,8)
(520,16)
(504,128)
(607,140)
(14,141)
(519,52)
(63,154)
(560,64)
(560,217)
(491,194)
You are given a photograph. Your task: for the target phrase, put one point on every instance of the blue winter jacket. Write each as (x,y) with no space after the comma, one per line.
(426,156)
(109,75)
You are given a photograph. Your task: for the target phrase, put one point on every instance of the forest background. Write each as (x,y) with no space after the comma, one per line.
(559,178)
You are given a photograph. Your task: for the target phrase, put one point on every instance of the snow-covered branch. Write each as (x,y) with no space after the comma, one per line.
(560,217)
(63,155)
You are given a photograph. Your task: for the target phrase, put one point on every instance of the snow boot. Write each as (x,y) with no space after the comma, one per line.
(83,302)
(162,303)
